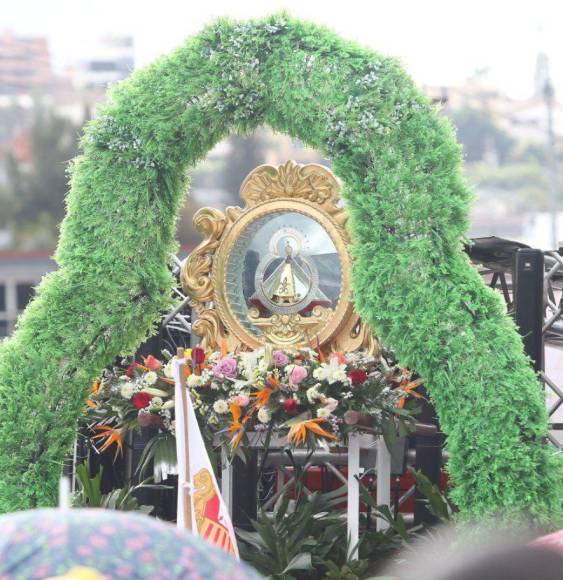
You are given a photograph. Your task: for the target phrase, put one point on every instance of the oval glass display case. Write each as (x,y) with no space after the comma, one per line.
(278,270)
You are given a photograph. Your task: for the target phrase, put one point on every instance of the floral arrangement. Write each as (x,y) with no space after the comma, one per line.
(141,395)
(301,395)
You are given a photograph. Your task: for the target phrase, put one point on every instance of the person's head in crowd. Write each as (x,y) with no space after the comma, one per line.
(449,556)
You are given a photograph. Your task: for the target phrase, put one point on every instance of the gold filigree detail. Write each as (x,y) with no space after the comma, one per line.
(311,190)
(290,330)
(196,269)
(313,183)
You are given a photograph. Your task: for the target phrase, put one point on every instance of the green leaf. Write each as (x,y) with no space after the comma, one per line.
(437,503)
(299,562)
(389,433)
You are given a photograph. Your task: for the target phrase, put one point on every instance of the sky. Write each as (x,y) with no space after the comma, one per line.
(441,43)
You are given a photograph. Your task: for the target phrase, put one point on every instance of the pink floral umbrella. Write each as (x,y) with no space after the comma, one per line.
(49,542)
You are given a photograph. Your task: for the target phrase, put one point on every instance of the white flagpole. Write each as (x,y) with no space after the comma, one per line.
(184,511)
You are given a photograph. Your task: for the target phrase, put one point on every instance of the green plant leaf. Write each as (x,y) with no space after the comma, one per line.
(299,562)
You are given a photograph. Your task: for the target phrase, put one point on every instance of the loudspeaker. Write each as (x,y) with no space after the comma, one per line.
(527,284)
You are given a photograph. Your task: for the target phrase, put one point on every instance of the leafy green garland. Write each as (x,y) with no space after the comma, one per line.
(408,204)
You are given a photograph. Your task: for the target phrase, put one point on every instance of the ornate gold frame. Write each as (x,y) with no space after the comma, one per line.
(311,190)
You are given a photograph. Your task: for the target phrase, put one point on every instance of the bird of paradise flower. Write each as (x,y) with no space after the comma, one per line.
(111,435)
(303,429)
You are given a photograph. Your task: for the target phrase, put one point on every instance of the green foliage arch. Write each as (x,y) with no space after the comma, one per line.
(408,205)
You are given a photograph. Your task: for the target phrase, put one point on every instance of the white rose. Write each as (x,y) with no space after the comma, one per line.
(127,390)
(323,413)
(220,406)
(264,415)
(150,378)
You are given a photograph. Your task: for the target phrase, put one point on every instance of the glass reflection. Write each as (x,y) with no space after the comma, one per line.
(283,263)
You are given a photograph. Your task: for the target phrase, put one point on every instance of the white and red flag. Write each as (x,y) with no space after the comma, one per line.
(201,508)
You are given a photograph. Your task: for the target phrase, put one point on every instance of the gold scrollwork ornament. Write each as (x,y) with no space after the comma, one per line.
(308,190)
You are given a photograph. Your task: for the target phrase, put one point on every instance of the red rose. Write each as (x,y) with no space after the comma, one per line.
(198,355)
(141,400)
(131,369)
(152,363)
(357,376)
(289,405)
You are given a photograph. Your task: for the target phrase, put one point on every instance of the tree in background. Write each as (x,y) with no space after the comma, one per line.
(480,135)
(246,153)
(35,190)
(512,170)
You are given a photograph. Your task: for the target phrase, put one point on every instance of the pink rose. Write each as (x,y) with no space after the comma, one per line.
(226,367)
(297,374)
(242,400)
(331,404)
(280,358)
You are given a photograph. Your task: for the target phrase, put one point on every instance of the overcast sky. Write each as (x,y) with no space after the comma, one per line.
(441,42)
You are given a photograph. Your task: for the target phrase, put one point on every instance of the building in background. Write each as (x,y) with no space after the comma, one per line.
(20,272)
(111,61)
(25,66)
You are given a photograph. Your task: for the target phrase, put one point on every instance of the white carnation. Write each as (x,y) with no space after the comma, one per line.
(320,373)
(313,394)
(156,403)
(339,375)
(220,406)
(150,378)
(264,415)
(127,390)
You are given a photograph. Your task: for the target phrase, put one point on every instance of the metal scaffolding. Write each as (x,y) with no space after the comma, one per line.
(546,300)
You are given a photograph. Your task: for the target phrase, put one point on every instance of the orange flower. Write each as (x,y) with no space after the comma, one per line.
(111,436)
(273,381)
(236,428)
(91,404)
(339,356)
(95,388)
(408,387)
(298,431)
(236,412)
(263,397)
